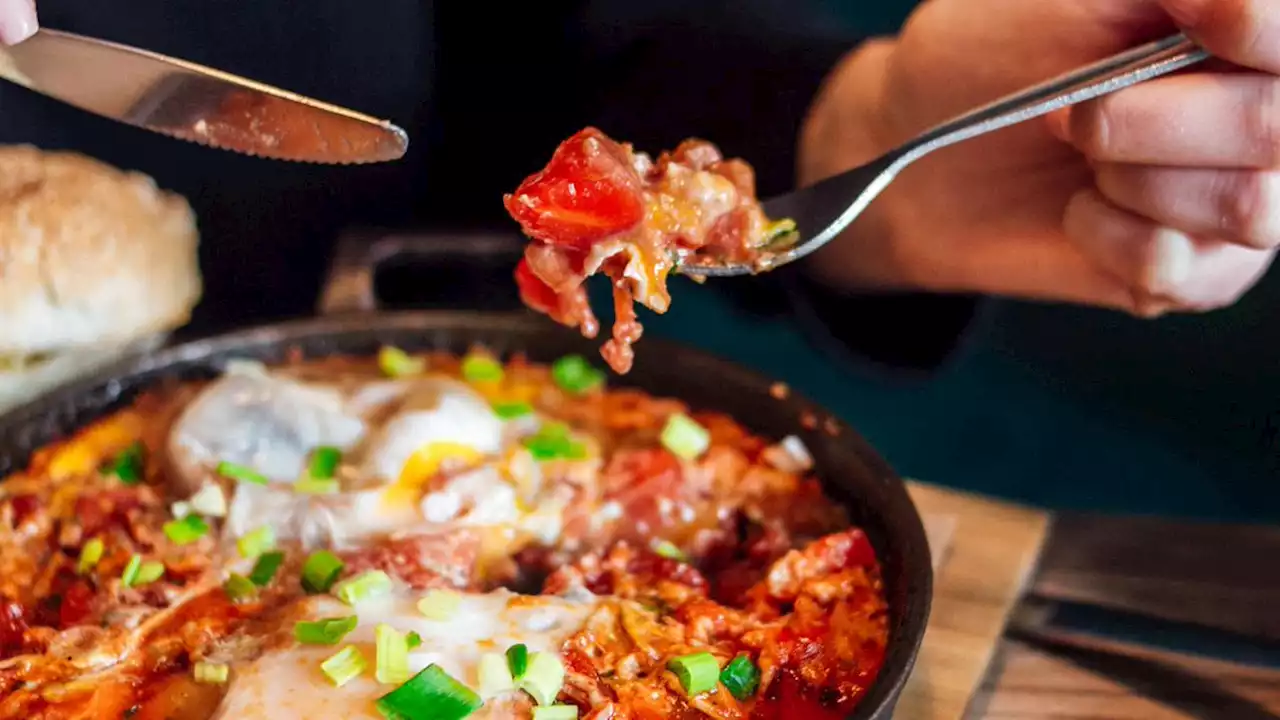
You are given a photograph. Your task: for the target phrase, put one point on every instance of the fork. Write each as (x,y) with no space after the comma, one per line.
(832,204)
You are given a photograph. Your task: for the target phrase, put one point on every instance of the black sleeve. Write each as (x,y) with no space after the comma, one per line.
(748,88)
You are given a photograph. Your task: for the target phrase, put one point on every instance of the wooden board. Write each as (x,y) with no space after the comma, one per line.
(985,552)
(1028,683)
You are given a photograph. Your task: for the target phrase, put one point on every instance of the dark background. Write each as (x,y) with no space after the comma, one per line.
(1063,406)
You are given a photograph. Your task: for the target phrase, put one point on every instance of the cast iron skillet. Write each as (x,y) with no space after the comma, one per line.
(851,471)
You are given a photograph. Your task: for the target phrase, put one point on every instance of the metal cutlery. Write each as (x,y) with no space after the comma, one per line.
(822,211)
(196,103)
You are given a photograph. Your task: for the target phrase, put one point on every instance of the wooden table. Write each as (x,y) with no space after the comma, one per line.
(985,555)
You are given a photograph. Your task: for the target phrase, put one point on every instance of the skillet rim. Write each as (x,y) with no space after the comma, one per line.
(893,514)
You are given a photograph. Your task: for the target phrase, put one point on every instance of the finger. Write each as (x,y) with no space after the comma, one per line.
(17,21)
(1157,262)
(1246,32)
(1241,206)
(1205,120)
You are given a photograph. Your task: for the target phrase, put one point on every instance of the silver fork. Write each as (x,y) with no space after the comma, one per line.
(823,210)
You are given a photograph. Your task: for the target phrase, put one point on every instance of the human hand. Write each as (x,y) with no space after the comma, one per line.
(17,21)
(1161,197)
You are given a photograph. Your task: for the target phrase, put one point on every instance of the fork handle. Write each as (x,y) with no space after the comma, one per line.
(1107,76)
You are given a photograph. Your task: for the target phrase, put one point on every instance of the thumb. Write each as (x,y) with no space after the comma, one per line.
(1245,32)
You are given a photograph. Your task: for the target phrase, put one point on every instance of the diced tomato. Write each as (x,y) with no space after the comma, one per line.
(96,512)
(570,308)
(23,507)
(13,627)
(77,603)
(533,292)
(791,697)
(589,191)
(638,479)
(858,551)
(654,468)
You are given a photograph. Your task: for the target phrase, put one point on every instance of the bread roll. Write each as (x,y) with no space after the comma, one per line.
(94,262)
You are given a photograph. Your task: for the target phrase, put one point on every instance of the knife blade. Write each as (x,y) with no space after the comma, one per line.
(1215,576)
(196,103)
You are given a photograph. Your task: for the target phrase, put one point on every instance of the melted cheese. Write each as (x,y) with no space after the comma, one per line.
(288,682)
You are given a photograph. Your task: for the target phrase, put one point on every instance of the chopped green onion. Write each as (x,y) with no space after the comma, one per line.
(130,464)
(495,675)
(741,677)
(265,568)
(512,410)
(668,550)
(396,363)
(518,661)
(317,486)
(211,673)
(552,442)
(180,509)
(241,473)
(364,586)
(430,695)
(344,666)
(255,542)
(556,712)
(481,368)
(575,375)
(698,672)
(320,571)
(413,639)
(151,571)
(209,501)
(324,462)
(130,572)
(439,604)
(392,664)
(543,678)
(684,437)
(778,229)
(187,530)
(138,573)
(329,631)
(90,554)
(240,589)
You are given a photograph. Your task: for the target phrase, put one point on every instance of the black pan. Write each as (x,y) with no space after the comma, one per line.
(852,472)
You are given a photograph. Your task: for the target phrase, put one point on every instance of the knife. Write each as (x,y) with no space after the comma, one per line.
(1215,576)
(192,102)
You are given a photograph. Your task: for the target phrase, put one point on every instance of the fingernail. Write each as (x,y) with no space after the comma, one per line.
(1173,254)
(1184,12)
(17,21)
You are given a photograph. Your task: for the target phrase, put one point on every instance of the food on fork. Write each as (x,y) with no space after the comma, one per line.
(94,262)
(601,207)
(429,537)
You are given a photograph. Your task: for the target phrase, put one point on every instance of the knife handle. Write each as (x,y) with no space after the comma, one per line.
(1212,575)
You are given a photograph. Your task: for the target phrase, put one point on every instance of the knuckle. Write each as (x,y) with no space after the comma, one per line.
(1249,203)
(1262,122)
(1165,261)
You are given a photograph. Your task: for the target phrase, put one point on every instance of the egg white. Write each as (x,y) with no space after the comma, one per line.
(287,682)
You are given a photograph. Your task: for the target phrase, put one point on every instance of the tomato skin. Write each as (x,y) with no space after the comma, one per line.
(13,627)
(77,604)
(641,481)
(587,192)
(534,292)
(24,506)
